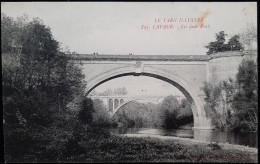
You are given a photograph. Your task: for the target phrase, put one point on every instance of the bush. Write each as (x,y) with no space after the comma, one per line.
(85,114)
(233,104)
(101,117)
(214,146)
(174,113)
(170,120)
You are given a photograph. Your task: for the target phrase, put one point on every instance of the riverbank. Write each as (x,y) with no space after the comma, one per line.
(174,149)
(91,144)
(188,142)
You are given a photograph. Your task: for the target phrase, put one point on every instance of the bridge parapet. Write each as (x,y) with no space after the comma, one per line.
(92,57)
(112,57)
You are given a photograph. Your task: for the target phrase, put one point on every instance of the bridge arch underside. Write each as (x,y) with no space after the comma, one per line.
(201,121)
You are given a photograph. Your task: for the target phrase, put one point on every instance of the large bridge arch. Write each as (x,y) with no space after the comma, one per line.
(201,121)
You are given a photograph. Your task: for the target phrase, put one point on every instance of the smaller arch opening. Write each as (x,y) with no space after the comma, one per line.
(116,101)
(121,101)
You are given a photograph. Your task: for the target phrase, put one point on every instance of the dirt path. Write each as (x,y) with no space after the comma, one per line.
(188,141)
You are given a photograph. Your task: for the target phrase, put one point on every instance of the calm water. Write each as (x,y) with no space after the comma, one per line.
(238,138)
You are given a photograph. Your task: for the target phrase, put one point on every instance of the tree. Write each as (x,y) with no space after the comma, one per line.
(230,89)
(38,83)
(143,114)
(122,118)
(41,77)
(85,114)
(101,117)
(12,32)
(218,45)
(170,108)
(170,121)
(233,103)
(120,91)
(234,44)
(116,91)
(107,92)
(245,100)
(29,85)
(215,107)
(248,37)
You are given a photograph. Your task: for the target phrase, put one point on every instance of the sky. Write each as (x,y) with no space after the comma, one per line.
(141,28)
(116,27)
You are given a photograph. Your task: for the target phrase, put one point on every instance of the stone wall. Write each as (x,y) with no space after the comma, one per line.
(225,65)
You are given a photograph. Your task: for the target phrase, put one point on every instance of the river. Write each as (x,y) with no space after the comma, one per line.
(237,138)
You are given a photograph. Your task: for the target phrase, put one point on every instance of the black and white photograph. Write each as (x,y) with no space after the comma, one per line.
(120,82)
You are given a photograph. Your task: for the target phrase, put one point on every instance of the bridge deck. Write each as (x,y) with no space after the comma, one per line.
(103,57)
(139,57)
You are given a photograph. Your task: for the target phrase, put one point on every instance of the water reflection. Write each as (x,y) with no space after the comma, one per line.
(238,138)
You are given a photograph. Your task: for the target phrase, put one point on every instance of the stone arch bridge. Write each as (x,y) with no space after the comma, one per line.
(185,72)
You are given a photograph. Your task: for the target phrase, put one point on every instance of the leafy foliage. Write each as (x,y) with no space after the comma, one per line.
(245,100)
(85,114)
(214,146)
(170,108)
(143,114)
(234,44)
(248,37)
(38,85)
(101,117)
(220,46)
(137,114)
(233,103)
(174,115)
(110,92)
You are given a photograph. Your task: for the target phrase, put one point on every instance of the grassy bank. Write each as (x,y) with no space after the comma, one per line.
(88,144)
(125,149)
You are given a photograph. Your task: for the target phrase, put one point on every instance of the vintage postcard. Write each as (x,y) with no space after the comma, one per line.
(129,81)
